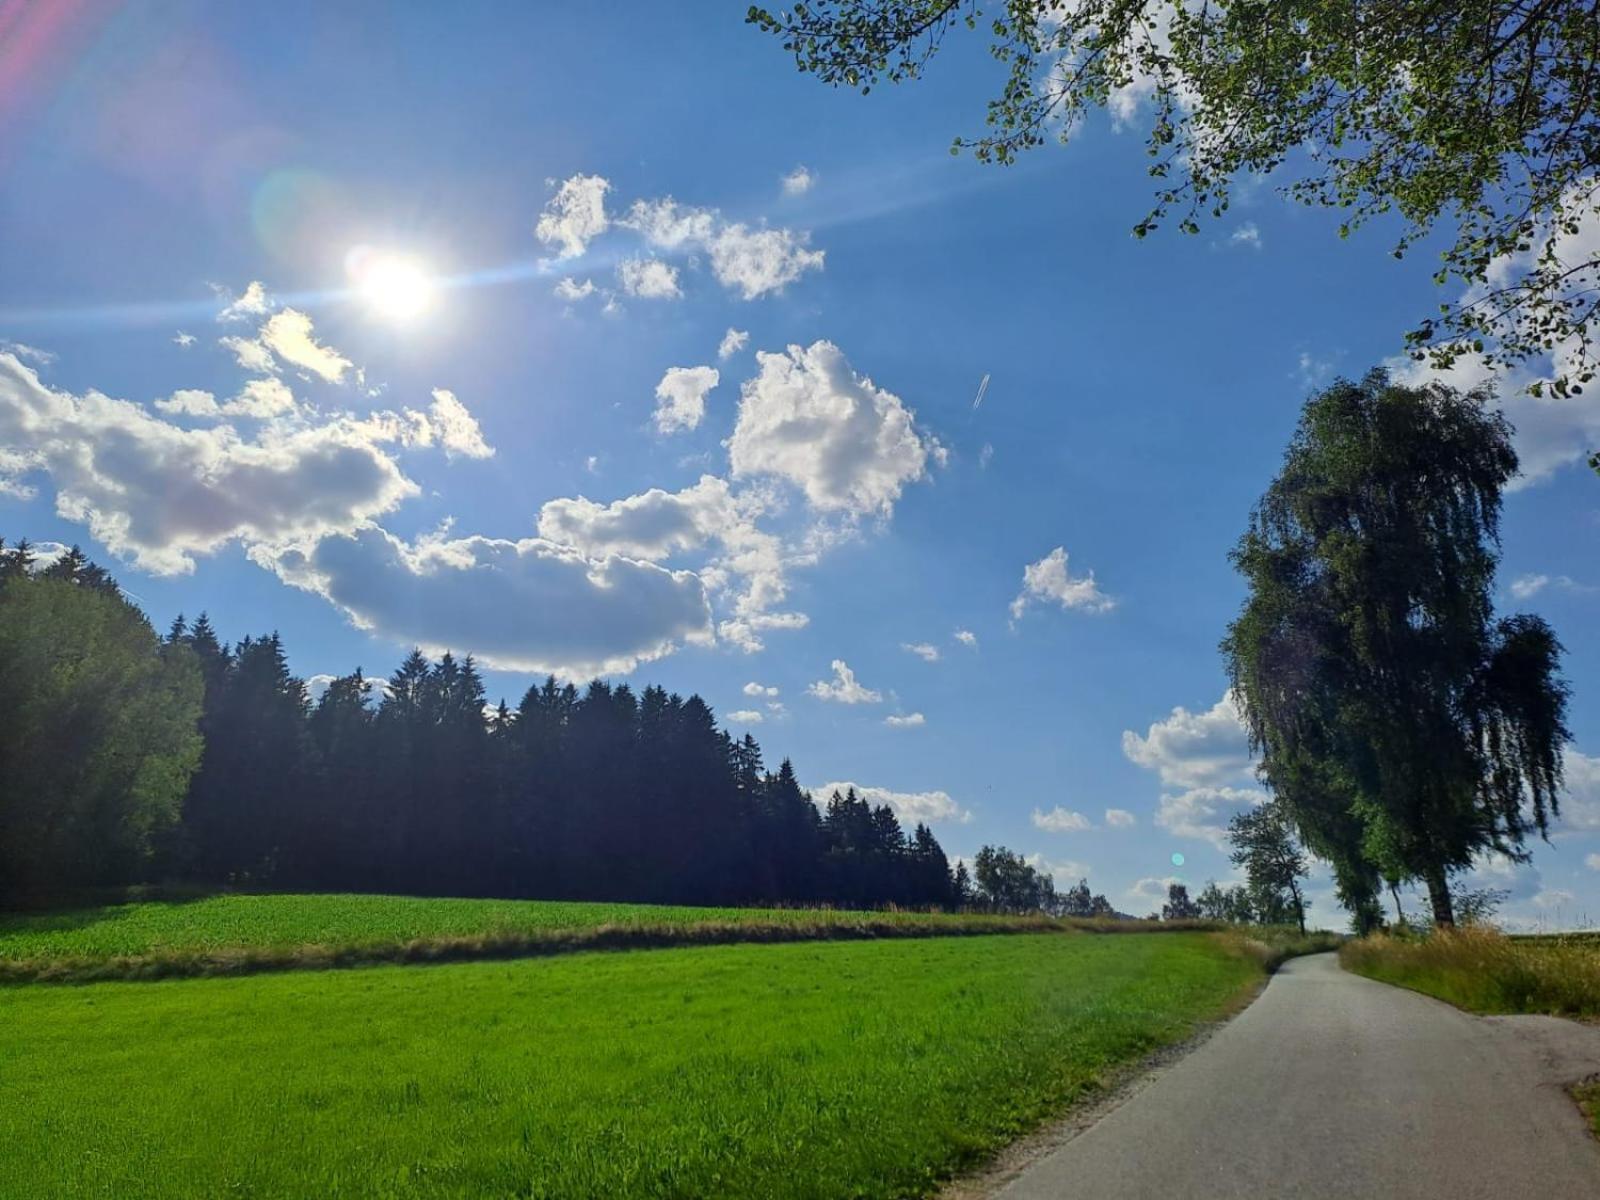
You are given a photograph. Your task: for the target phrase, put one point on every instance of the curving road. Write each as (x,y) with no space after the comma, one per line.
(1331,1085)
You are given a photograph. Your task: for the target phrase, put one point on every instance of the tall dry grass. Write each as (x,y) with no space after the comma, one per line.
(1482,969)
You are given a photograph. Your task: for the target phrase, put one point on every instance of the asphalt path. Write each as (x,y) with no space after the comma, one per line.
(1331,1085)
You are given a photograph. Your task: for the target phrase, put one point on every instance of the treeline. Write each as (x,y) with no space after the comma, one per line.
(127,757)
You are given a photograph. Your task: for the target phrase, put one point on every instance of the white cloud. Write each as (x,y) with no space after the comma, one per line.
(967,638)
(732,342)
(1203,812)
(843,689)
(1553,898)
(1580,807)
(28,353)
(1151,890)
(184,339)
(681,397)
(758,261)
(985,456)
(649,279)
(910,807)
(456,428)
(1120,818)
(909,721)
(528,605)
(288,334)
(251,354)
(809,418)
(1194,749)
(159,494)
(570,289)
(1061,820)
(657,524)
(753,262)
(190,402)
(251,303)
(759,689)
(1246,235)
(575,215)
(926,651)
(746,716)
(1525,587)
(1048,580)
(1592,861)
(798,181)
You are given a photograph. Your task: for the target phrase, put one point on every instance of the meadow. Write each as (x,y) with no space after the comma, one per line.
(809,1069)
(1485,971)
(239,933)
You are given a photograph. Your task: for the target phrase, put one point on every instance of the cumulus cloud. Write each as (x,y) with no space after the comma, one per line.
(1525,587)
(158,494)
(1246,235)
(732,342)
(759,689)
(1151,890)
(528,605)
(259,399)
(681,397)
(649,279)
(1049,581)
(570,289)
(1061,820)
(807,417)
(184,339)
(1592,861)
(967,638)
(907,721)
(1120,818)
(251,354)
(749,564)
(926,651)
(575,215)
(455,428)
(249,304)
(910,807)
(843,688)
(746,716)
(288,335)
(798,181)
(752,261)
(1204,812)
(1194,749)
(1063,873)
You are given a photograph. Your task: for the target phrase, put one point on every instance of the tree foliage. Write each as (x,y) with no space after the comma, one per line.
(1479,118)
(1179,907)
(1263,844)
(420,786)
(97,728)
(1402,727)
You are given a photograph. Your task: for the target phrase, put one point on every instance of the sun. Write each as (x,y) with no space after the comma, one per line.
(395,286)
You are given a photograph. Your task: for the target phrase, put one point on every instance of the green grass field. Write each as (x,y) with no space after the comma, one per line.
(810,1069)
(236,933)
(1487,972)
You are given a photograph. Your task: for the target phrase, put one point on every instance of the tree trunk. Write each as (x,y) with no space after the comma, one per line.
(1444,916)
(1399,913)
(1299,909)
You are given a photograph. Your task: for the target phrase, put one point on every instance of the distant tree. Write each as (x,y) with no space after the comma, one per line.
(1476,117)
(962,892)
(1178,906)
(98,732)
(1006,883)
(1264,845)
(1402,728)
(1079,901)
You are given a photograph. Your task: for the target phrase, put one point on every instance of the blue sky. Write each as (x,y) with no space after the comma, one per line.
(320,462)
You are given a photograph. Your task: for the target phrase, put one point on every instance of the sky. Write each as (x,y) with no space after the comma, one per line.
(599,346)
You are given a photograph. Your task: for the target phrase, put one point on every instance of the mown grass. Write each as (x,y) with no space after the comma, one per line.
(239,934)
(802,1070)
(1485,971)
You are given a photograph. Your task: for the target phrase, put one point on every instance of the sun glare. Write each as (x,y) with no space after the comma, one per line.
(396,286)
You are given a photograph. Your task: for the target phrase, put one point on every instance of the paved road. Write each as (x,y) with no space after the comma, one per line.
(1331,1085)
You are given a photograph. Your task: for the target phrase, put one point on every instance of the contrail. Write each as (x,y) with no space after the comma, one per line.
(982,388)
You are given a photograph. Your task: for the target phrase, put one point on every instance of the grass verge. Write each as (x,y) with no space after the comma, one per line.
(1485,971)
(1587,1094)
(243,934)
(827,1069)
